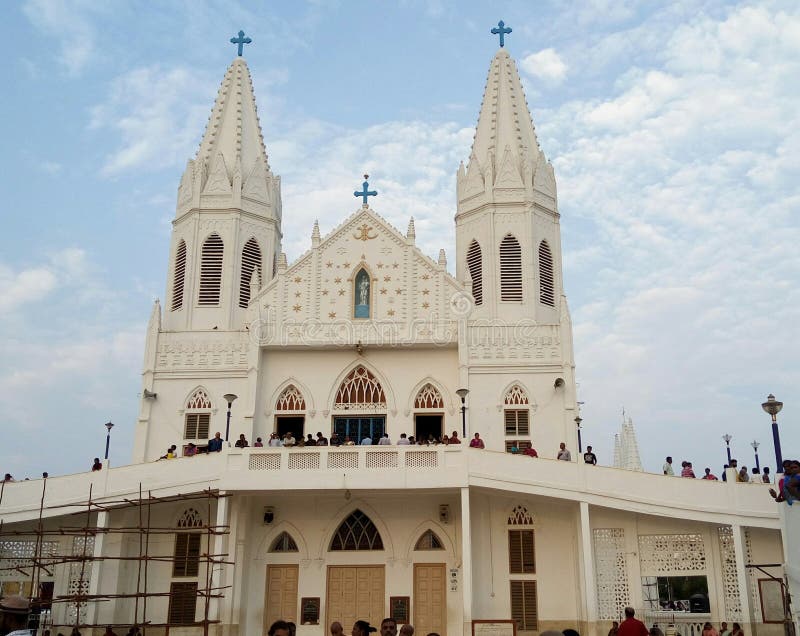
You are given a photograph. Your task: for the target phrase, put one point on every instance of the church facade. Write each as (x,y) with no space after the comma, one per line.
(363,336)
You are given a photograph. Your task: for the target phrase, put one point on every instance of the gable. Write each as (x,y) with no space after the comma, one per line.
(409,297)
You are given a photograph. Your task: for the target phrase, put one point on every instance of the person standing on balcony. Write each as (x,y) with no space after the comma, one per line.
(454,438)
(589,457)
(215,444)
(476,442)
(289,440)
(563,453)
(667,468)
(632,626)
(242,441)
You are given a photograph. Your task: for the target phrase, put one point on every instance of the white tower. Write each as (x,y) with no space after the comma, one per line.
(228,219)
(508,246)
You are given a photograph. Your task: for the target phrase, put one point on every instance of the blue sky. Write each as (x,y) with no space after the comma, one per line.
(674,129)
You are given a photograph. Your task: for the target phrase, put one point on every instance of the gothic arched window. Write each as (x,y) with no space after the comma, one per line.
(251,262)
(290,399)
(429,397)
(357,532)
(284,543)
(516,396)
(179,276)
(211,271)
(429,541)
(198,416)
(546,286)
(360,389)
(510,269)
(475,266)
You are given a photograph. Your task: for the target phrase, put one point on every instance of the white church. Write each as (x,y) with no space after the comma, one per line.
(365,335)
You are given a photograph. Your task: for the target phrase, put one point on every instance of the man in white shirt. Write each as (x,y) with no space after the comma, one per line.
(274,441)
(289,439)
(668,467)
(384,441)
(563,454)
(367,441)
(403,441)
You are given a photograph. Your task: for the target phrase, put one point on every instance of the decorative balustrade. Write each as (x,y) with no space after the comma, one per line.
(346,458)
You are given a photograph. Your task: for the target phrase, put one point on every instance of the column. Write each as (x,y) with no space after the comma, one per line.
(587,570)
(219,571)
(95,569)
(466,560)
(741,574)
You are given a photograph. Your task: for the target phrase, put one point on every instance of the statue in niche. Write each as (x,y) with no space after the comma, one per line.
(362,285)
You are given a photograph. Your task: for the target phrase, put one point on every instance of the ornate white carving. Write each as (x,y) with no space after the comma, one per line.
(360,391)
(429,397)
(190,518)
(671,553)
(611,572)
(291,399)
(265,461)
(520,517)
(516,396)
(730,581)
(199,400)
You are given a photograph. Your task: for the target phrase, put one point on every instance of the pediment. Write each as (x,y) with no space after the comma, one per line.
(325,285)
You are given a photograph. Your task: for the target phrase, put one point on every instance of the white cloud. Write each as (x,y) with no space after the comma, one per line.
(26,286)
(68,24)
(545,64)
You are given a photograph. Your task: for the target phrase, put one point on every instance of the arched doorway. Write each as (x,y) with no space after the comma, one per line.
(359,410)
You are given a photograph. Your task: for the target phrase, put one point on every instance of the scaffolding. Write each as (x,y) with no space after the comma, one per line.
(43,560)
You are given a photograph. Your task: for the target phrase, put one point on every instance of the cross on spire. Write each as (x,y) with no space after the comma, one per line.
(241,41)
(500,30)
(366,192)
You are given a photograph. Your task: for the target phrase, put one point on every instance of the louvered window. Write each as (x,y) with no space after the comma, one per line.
(179,276)
(521,558)
(182,603)
(516,422)
(475,266)
(196,426)
(284,543)
(211,271)
(187,554)
(510,269)
(546,287)
(523,605)
(251,261)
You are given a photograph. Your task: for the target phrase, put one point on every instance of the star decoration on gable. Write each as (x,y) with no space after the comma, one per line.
(380,265)
(425,305)
(329,264)
(383,290)
(332,314)
(345,264)
(425,276)
(297,294)
(338,279)
(425,292)
(395,265)
(297,279)
(341,292)
(386,279)
(324,292)
(297,308)
(390,312)
(398,291)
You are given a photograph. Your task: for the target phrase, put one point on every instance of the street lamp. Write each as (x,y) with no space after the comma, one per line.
(462,393)
(755,446)
(773,407)
(727,437)
(109,426)
(229,398)
(578,420)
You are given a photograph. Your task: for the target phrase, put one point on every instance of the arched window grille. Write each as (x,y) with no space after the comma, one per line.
(251,262)
(510,269)
(190,519)
(198,416)
(520,517)
(284,543)
(186,553)
(429,541)
(211,271)
(179,276)
(546,286)
(475,266)
(357,532)
(429,397)
(360,389)
(516,396)
(290,399)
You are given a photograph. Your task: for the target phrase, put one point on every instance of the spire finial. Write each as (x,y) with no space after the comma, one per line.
(241,41)
(500,30)
(366,192)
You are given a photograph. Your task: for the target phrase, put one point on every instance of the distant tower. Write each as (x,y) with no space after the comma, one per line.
(227,229)
(626,448)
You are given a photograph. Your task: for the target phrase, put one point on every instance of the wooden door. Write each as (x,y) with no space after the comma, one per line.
(355,592)
(280,602)
(430,598)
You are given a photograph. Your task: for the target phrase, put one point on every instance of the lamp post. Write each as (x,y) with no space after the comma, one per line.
(755,446)
(773,407)
(727,437)
(578,420)
(229,398)
(462,393)
(109,426)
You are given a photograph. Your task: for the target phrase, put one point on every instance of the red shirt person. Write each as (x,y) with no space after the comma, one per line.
(632,626)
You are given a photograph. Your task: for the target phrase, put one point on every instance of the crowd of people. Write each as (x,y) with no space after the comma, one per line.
(742,475)
(632,626)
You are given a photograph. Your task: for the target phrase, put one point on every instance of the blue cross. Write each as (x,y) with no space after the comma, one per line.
(500,30)
(241,41)
(366,192)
